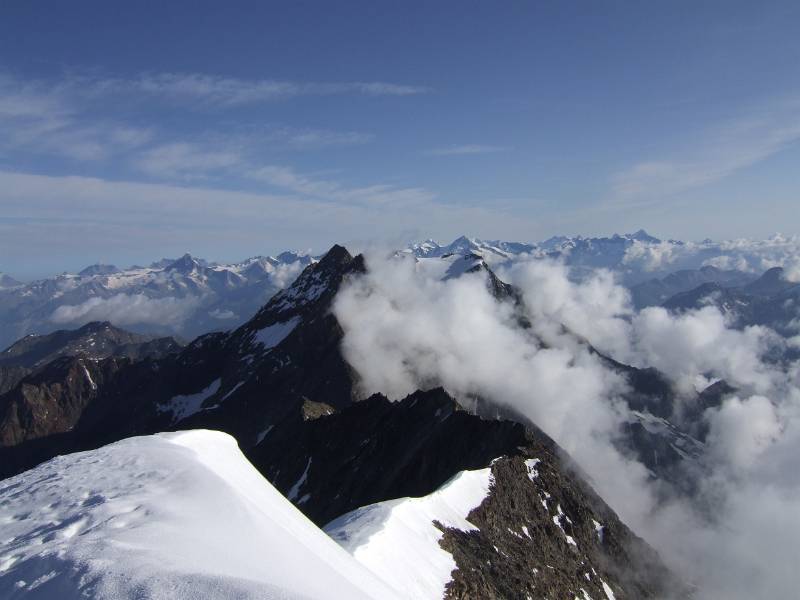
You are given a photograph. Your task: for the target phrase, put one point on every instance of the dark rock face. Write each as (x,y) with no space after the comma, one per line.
(94,340)
(740,307)
(770,300)
(49,382)
(543,533)
(376,450)
(10,377)
(52,400)
(656,291)
(772,282)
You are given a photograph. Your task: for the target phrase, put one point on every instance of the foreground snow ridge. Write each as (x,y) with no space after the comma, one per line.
(170,516)
(398,541)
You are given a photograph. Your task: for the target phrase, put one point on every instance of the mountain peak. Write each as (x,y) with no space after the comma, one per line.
(642,236)
(463,242)
(98,269)
(290,256)
(185,264)
(96,326)
(8,281)
(773,281)
(337,255)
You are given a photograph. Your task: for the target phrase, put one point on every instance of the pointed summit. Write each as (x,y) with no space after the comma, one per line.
(312,292)
(185,264)
(6,281)
(462,243)
(98,269)
(643,236)
(337,255)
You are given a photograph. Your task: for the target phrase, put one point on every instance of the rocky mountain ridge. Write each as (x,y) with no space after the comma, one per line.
(281,386)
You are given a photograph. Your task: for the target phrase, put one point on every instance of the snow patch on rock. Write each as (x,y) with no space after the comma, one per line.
(185,406)
(271,336)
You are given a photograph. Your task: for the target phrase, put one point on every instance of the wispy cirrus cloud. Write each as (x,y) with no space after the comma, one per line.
(466,149)
(721,151)
(76,118)
(235,154)
(182,160)
(44,119)
(287,178)
(315,139)
(221,92)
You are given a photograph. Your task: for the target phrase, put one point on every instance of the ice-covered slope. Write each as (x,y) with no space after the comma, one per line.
(398,540)
(180,515)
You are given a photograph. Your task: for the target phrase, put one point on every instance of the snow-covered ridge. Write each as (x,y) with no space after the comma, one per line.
(180,515)
(398,541)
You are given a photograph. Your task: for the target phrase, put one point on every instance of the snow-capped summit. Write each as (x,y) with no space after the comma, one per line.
(492,251)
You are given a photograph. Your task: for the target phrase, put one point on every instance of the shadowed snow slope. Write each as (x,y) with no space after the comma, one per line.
(179,515)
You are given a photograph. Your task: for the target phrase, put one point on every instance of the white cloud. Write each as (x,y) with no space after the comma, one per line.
(289,179)
(314,139)
(724,149)
(652,257)
(186,161)
(742,430)
(737,537)
(77,117)
(466,149)
(43,119)
(128,309)
(700,342)
(405,330)
(726,262)
(226,92)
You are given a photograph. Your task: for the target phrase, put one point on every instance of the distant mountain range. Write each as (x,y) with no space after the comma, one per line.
(180,297)
(635,257)
(189,296)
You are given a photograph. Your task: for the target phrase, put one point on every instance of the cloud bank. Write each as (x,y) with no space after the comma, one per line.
(128,309)
(405,329)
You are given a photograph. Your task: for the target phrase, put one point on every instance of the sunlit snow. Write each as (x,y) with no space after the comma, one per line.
(398,541)
(178,516)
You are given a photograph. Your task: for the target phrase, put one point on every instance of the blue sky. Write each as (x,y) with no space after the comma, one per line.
(137,130)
